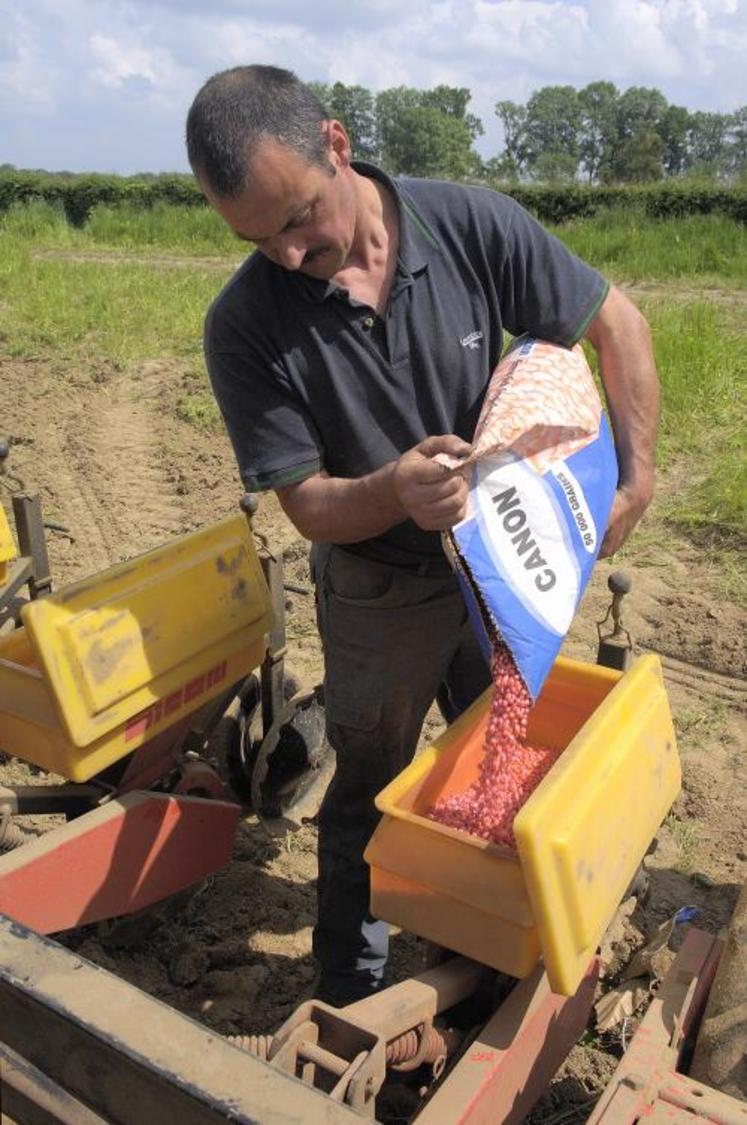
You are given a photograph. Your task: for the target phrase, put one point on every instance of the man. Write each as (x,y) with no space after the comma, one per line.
(352,346)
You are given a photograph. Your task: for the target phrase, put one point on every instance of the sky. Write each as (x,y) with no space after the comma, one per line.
(104,85)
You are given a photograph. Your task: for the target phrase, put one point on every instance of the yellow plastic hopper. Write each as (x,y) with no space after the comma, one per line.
(105,664)
(580,837)
(7,546)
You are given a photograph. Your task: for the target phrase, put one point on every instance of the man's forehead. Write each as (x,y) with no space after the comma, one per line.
(274,195)
(273,167)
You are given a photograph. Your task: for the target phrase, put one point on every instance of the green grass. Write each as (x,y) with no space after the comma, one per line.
(200,409)
(192,231)
(627,246)
(701,358)
(686,840)
(697,724)
(179,230)
(702,364)
(117,310)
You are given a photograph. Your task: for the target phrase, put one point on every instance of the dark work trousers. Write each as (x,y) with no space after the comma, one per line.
(394,640)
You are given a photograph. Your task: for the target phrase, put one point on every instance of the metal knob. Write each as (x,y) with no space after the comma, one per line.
(616,647)
(619,582)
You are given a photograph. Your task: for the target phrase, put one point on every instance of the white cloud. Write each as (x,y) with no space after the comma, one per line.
(152,72)
(27,76)
(118,62)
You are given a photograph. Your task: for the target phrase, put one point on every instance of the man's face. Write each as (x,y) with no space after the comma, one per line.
(299,215)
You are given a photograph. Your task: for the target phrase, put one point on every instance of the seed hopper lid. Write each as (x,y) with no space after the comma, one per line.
(585,830)
(156,628)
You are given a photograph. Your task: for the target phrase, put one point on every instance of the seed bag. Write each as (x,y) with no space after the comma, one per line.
(543,474)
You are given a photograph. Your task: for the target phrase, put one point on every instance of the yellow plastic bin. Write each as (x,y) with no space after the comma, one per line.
(580,836)
(106,664)
(7,547)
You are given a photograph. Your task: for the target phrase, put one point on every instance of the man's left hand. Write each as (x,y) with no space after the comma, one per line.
(627,508)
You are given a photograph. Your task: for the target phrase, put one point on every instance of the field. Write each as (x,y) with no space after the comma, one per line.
(107,408)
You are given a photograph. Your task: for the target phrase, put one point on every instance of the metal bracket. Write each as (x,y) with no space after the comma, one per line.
(340,1056)
(616,648)
(27,513)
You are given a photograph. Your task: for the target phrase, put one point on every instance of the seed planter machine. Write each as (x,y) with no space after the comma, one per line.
(115,682)
(115,685)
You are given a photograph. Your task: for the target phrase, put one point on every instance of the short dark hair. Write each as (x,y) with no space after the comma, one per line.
(236,109)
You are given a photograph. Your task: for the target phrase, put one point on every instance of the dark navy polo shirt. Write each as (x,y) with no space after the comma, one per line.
(308,378)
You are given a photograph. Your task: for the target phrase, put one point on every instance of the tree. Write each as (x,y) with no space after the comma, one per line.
(707,142)
(453,101)
(637,159)
(513,117)
(552,127)
(426,142)
(391,104)
(639,109)
(673,130)
(555,168)
(427,132)
(500,169)
(354,107)
(737,142)
(598,129)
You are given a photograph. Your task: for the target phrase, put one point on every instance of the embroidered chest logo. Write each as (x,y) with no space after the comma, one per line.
(471,340)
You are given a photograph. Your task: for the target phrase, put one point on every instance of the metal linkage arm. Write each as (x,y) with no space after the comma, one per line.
(127,1057)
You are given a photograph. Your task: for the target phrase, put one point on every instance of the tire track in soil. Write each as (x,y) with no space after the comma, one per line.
(120,474)
(701,681)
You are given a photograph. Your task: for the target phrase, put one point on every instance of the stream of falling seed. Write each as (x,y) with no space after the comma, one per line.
(509,770)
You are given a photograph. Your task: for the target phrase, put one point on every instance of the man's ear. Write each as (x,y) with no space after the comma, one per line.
(338,142)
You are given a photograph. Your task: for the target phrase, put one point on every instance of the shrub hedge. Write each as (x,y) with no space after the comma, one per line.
(79,194)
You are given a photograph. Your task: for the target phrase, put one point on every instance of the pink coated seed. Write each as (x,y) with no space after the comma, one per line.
(509,770)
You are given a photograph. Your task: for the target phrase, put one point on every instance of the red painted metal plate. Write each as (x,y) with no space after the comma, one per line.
(127,855)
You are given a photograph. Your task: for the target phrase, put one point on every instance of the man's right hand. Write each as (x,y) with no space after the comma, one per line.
(432,495)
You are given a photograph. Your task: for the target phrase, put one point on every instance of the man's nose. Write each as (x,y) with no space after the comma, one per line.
(289,254)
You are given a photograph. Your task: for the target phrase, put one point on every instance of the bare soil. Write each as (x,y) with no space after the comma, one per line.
(113,464)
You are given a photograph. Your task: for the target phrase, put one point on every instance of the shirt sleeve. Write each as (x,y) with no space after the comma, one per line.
(274,439)
(545,290)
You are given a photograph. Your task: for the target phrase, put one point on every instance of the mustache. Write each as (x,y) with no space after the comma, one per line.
(312,255)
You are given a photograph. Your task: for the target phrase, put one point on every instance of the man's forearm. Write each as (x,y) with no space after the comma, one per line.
(336,510)
(416,486)
(623,344)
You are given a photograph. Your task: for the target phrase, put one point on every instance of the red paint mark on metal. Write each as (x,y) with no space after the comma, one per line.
(519,1050)
(148,718)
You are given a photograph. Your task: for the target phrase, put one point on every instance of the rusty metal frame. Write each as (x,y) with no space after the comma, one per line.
(495,1082)
(272,671)
(70,799)
(79,1046)
(126,1057)
(509,1064)
(27,513)
(30,1097)
(648,1083)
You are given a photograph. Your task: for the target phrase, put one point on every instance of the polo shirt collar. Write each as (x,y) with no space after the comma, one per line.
(417,244)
